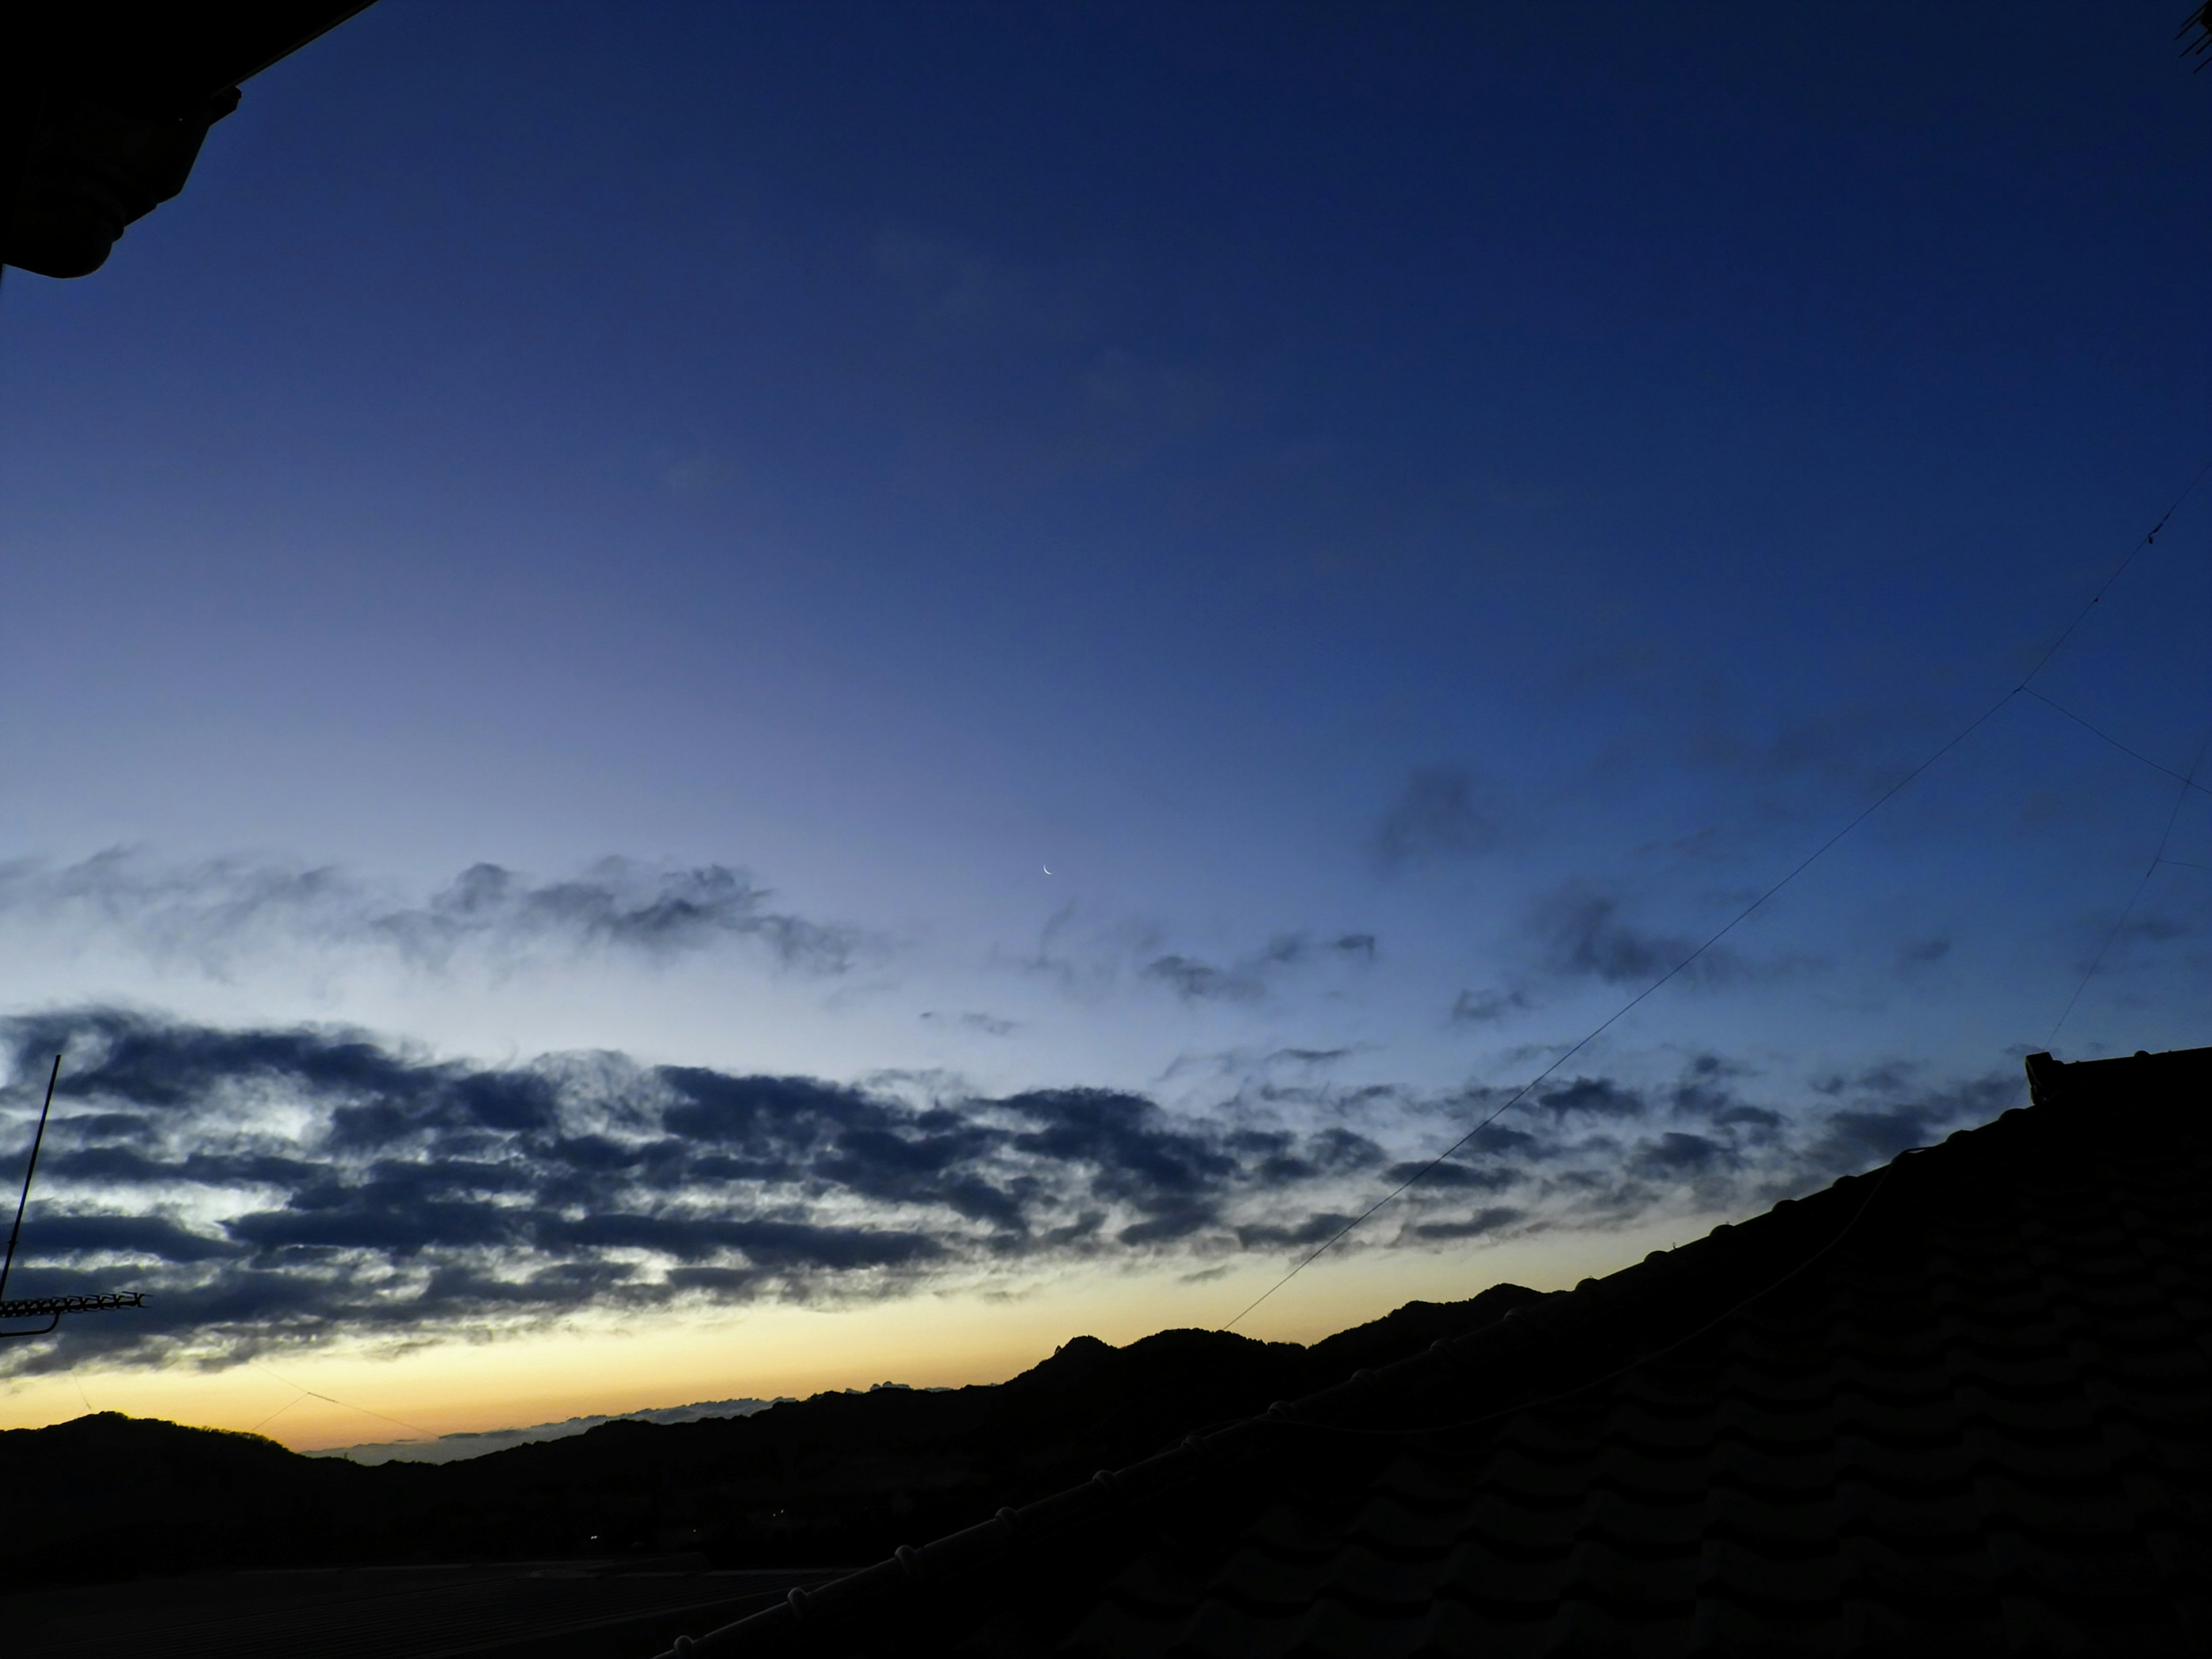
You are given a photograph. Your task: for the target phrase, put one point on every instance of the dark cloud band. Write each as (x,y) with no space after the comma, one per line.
(275,1186)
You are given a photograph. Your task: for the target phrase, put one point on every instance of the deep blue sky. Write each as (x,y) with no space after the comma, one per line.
(1411,513)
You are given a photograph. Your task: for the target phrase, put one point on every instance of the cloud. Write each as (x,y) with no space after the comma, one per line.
(1889,1107)
(1605,1152)
(1581,931)
(1073,399)
(1436,816)
(225,908)
(1090,959)
(1307,1057)
(1674,1152)
(1490,1220)
(267,1187)
(1705,1091)
(280,1185)
(1451,1175)
(1592,1097)
(1317,1229)
(1200,981)
(1861,747)
(1247,980)
(989,1024)
(1486,1007)
(954,292)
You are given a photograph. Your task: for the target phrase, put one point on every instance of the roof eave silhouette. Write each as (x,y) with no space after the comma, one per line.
(103,108)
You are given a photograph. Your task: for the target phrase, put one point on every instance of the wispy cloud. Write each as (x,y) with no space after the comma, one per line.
(1090,957)
(987,1024)
(1581,930)
(1862,746)
(1080,401)
(1440,814)
(219,910)
(1489,1006)
(1923,952)
(1248,978)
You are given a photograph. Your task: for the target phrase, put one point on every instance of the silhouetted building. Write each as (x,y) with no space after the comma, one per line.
(1961,1404)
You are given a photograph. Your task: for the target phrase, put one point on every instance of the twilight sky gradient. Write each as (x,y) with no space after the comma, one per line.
(561,602)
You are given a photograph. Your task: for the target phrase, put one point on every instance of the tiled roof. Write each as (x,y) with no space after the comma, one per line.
(561,1610)
(1962,1404)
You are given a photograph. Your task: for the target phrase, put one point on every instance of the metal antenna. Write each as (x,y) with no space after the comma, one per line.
(49,1307)
(29,1169)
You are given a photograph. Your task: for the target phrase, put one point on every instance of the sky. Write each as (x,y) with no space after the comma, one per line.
(697,703)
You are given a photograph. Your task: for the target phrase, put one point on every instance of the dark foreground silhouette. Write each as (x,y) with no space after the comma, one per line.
(838,1478)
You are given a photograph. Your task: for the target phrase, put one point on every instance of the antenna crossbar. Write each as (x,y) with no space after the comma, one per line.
(48,1308)
(39,1307)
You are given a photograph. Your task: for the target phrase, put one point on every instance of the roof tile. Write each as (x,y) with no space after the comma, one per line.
(1961,1406)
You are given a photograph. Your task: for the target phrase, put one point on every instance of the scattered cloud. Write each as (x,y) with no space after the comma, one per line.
(1860,747)
(1890,1107)
(1923,952)
(989,1024)
(220,910)
(1248,979)
(1201,981)
(1078,402)
(1584,932)
(1490,1220)
(1592,1097)
(1438,816)
(1486,1007)
(954,292)
(1604,1152)
(1261,1065)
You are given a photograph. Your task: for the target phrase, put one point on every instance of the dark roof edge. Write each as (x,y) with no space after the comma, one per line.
(2052,1082)
(961,1552)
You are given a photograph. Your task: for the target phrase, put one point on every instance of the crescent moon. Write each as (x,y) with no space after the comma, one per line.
(1047,868)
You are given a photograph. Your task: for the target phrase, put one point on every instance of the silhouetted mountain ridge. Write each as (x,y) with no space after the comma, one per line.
(837,1477)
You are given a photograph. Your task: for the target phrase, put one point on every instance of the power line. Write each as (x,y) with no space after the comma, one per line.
(346,1405)
(1881,1178)
(2188,780)
(2118,570)
(2181,796)
(2150,538)
(1728,928)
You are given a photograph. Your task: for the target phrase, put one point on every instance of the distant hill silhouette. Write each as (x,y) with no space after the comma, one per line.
(840,1477)
(452,1448)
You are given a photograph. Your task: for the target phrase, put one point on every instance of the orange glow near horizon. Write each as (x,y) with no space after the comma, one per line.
(605,1367)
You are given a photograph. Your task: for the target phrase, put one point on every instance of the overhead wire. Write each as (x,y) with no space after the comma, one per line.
(1805,1263)
(2180,798)
(2188,780)
(1621,1012)
(345,1405)
(2150,538)
(2022,686)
